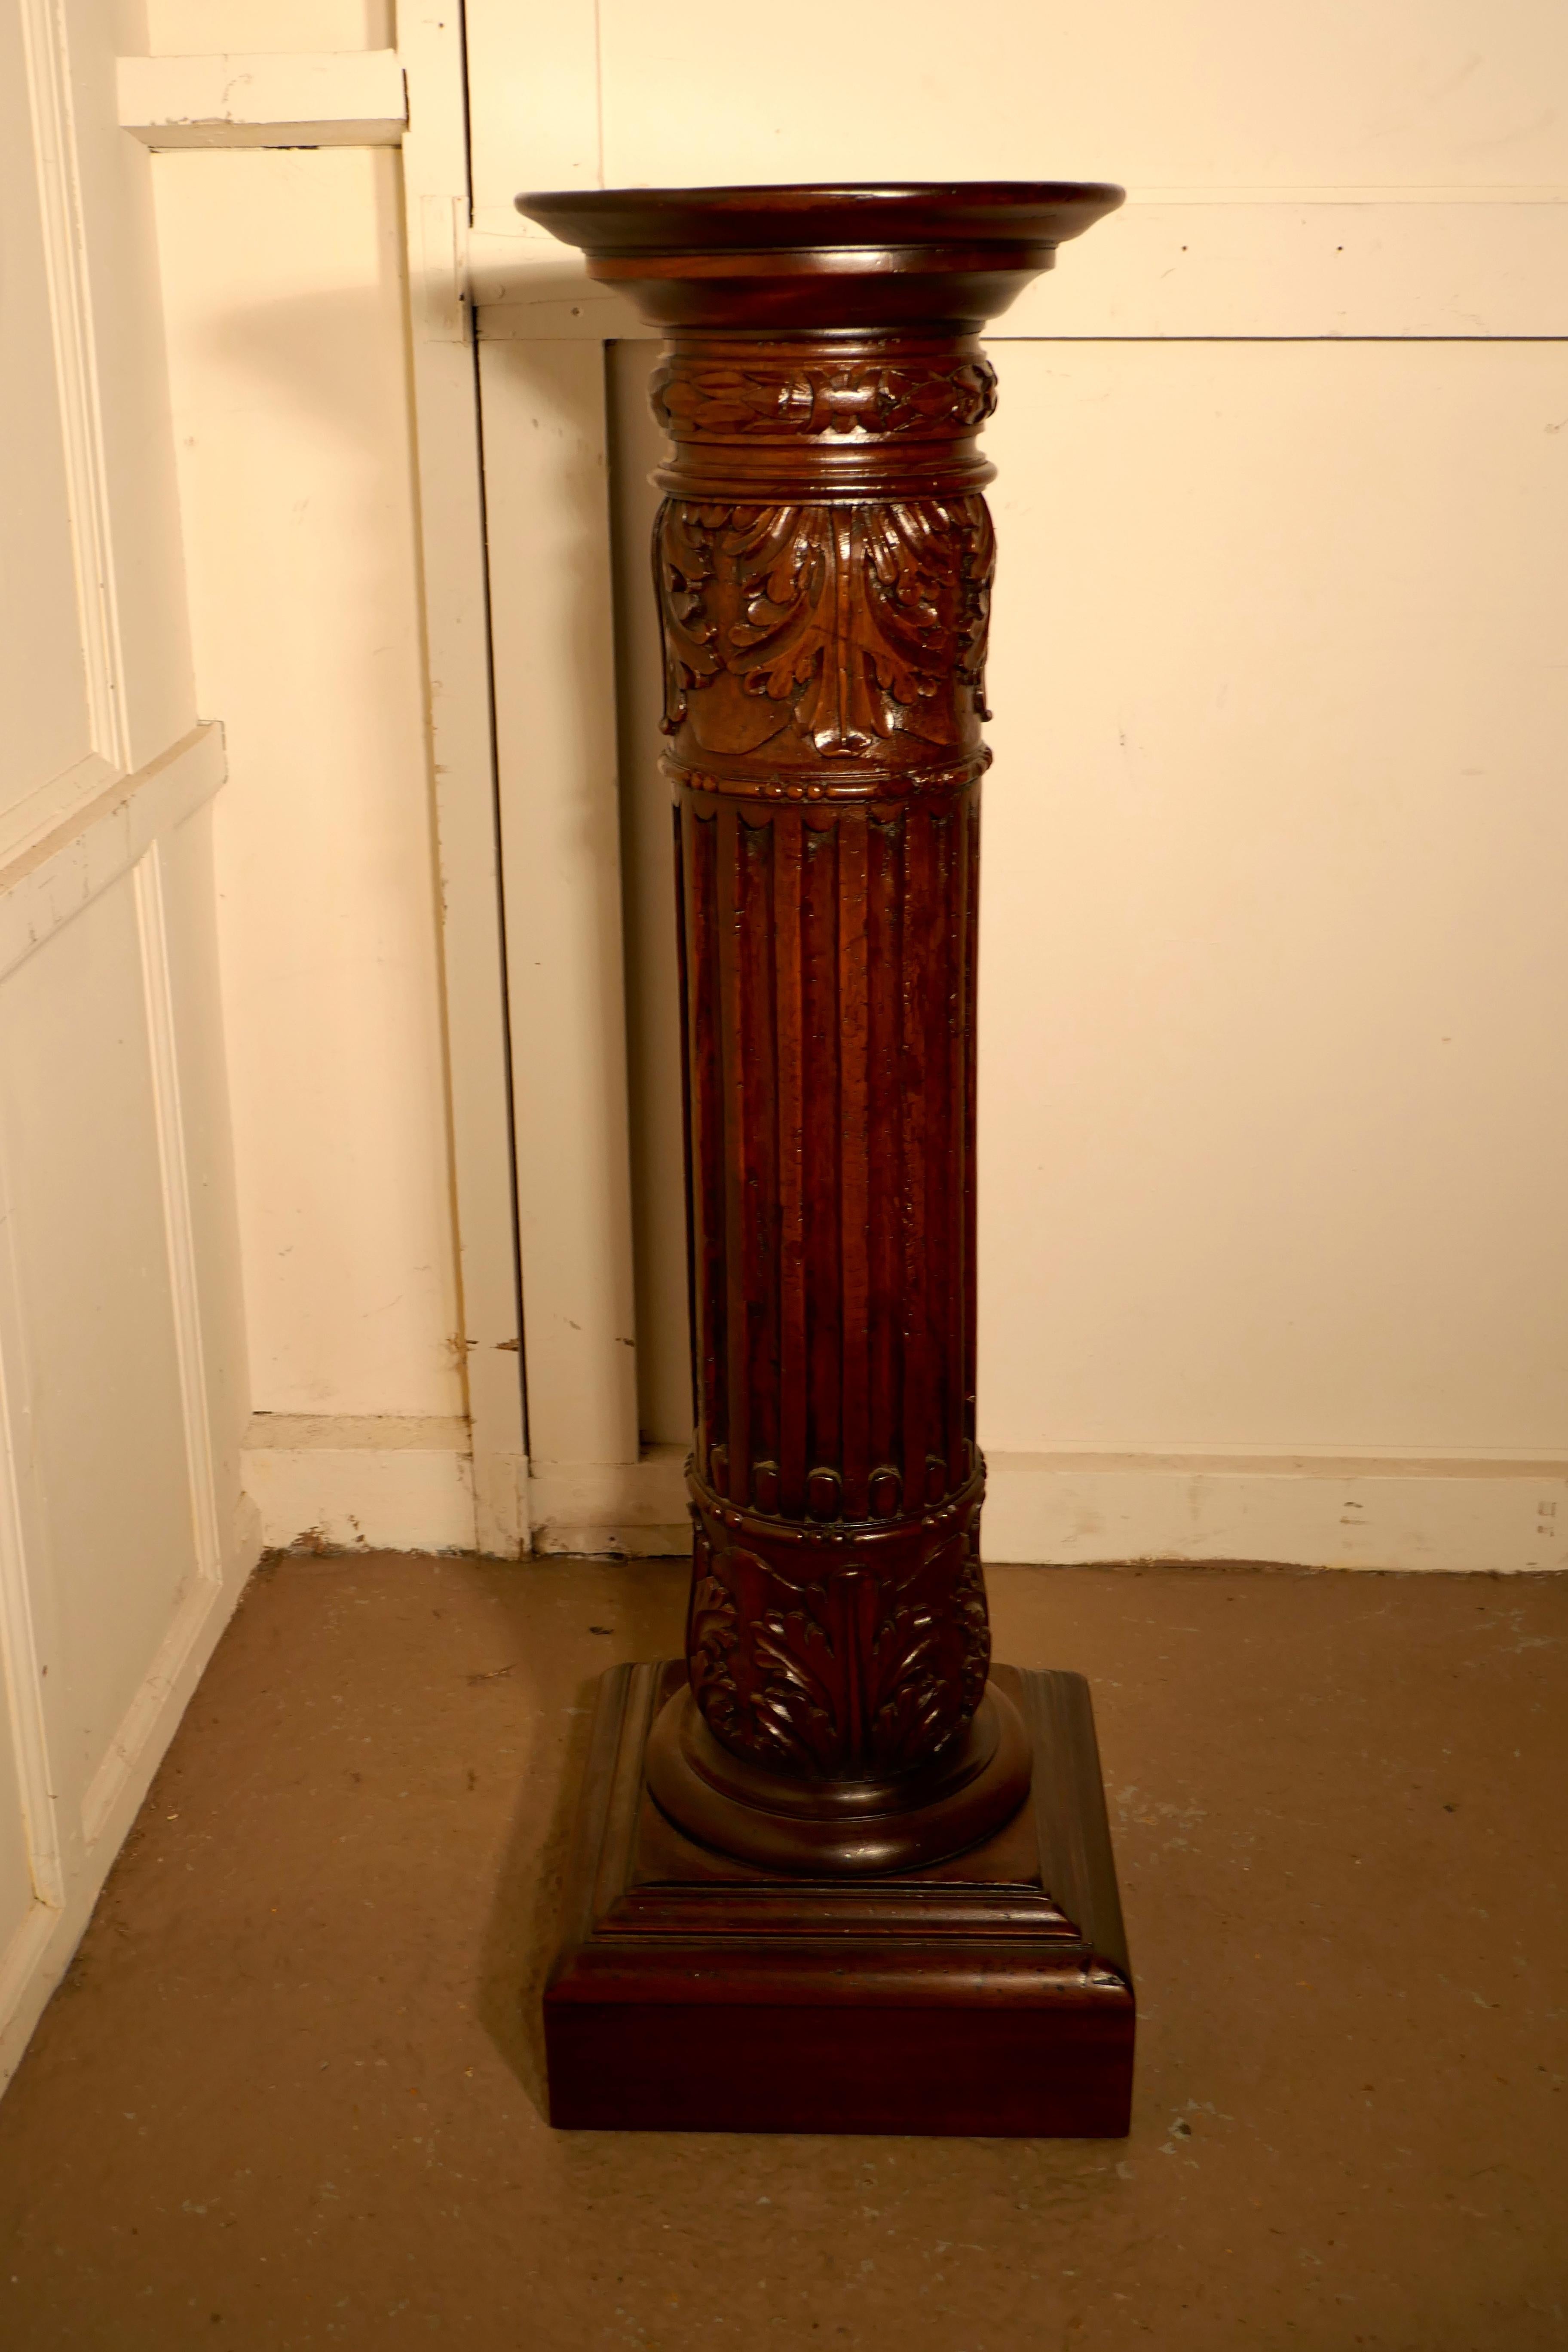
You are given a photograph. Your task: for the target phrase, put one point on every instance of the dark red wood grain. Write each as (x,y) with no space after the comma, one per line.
(990,1993)
(824,561)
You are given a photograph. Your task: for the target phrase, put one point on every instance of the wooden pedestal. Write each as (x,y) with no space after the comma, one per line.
(990,1993)
(850,1881)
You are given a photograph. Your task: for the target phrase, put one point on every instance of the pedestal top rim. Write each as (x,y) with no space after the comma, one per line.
(802,215)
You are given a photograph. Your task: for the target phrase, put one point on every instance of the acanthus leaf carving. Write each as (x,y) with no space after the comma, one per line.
(851,623)
(858,1670)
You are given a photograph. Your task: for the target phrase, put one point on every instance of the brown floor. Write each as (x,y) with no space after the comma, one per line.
(290,2093)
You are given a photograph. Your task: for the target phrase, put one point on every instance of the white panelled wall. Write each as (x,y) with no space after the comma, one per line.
(124,1539)
(1274,973)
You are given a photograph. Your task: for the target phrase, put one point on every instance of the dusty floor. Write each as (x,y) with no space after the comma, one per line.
(290,2093)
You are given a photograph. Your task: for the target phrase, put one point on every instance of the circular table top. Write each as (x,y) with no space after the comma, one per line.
(795,257)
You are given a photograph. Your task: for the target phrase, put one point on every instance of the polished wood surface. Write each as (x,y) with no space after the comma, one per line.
(835,1750)
(792,258)
(990,1993)
(824,562)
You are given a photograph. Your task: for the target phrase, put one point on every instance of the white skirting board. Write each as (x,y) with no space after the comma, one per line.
(1333,1511)
(347,1482)
(353,1482)
(1064,1510)
(341,1482)
(634,1510)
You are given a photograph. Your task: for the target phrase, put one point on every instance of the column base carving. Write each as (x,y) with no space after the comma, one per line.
(903,1822)
(990,1993)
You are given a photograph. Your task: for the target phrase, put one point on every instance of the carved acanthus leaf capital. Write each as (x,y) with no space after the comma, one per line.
(850,625)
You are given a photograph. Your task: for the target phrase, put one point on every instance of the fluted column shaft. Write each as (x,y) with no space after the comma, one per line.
(823,563)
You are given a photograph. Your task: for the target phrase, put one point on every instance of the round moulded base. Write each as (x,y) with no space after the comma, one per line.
(831,1828)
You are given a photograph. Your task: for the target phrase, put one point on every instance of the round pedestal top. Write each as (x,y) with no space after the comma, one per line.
(942,256)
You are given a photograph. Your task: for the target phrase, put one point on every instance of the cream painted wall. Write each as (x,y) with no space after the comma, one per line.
(1410,99)
(1272,986)
(1167,94)
(1272,967)
(253,27)
(284,295)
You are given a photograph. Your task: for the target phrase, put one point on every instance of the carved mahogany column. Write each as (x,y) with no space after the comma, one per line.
(823,562)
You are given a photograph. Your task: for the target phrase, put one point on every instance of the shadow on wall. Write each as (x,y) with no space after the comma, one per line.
(647,857)
(547,508)
(536,379)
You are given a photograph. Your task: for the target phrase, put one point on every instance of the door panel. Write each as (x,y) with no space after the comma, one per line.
(1274,842)
(92,1359)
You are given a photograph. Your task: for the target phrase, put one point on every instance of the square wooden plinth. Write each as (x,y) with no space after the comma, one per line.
(989,1994)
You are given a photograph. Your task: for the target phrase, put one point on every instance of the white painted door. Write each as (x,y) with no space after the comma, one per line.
(122,1544)
(1269,1193)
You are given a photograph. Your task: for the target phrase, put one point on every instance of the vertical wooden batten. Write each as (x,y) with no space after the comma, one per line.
(456,630)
